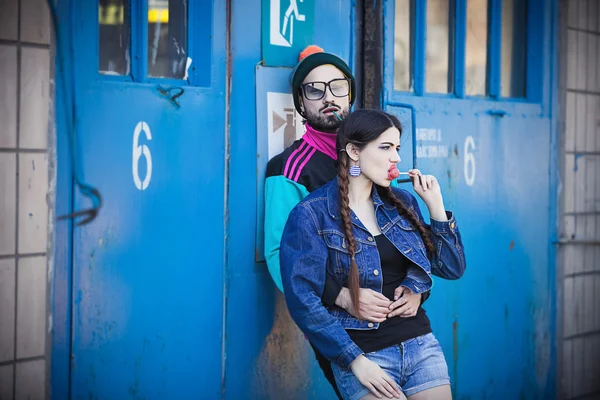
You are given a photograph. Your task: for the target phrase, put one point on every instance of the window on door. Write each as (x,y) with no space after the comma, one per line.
(148,40)
(461,48)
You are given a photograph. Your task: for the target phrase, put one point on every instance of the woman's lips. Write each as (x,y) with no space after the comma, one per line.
(393,173)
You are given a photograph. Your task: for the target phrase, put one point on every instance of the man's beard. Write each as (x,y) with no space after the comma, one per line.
(325,123)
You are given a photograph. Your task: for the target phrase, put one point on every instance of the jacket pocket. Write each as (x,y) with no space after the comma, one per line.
(405,224)
(411,234)
(339,255)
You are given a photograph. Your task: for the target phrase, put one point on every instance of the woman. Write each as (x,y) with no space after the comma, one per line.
(369,235)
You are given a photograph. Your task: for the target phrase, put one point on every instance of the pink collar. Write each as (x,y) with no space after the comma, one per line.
(322,141)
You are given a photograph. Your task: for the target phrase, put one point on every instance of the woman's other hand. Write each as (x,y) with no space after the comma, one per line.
(370,375)
(428,188)
(406,303)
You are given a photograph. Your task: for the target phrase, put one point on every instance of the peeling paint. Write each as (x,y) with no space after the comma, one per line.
(283,365)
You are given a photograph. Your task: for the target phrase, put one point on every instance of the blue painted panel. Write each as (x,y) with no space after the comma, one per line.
(60,373)
(494,47)
(148,273)
(420,46)
(502,308)
(497,324)
(460,27)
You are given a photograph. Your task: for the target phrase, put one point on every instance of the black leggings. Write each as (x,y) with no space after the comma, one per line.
(325,365)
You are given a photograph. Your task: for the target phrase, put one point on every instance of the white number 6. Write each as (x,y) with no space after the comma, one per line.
(469,161)
(137,153)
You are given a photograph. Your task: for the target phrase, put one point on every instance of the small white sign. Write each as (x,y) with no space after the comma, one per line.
(284,123)
(282,34)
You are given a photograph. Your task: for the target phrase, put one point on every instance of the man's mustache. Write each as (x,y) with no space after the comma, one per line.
(330,105)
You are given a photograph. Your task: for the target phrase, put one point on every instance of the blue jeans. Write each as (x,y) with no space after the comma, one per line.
(415,365)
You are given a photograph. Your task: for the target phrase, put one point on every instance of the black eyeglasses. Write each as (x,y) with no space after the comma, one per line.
(316,90)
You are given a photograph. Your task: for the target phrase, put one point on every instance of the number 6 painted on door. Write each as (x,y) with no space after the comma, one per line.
(137,153)
(469,161)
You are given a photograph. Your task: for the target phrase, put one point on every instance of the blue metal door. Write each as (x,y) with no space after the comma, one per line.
(478,75)
(147,273)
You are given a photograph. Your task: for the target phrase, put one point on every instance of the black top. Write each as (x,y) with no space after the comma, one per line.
(396,329)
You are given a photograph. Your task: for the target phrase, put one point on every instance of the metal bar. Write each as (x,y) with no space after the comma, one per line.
(22,151)
(199,31)
(8,256)
(583,153)
(460,35)
(420,46)
(194,40)
(535,52)
(583,91)
(583,273)
(581,214)
(61,344)
(494,47)
(584,242)
(583,31)
(24,44)
(139,40)
(22,360)
(143,44)
(582,335)
(387,9)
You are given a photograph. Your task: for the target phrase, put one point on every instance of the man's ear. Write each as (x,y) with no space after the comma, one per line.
(301,103)
(352,151)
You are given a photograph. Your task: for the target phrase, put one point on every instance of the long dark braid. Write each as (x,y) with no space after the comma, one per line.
(406,213)
(343,182)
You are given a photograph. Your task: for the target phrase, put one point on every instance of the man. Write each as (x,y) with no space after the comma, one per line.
(322,86)
(323,89)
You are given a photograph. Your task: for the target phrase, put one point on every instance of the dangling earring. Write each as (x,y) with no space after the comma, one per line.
(354,170)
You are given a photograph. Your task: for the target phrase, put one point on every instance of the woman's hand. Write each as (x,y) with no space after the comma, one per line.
(428,188)
(370,375)
(406,303)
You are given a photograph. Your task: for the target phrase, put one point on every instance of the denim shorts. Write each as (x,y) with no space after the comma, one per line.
(415,365)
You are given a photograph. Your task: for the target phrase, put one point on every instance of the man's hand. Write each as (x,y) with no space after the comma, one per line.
(373,307)
(406,303)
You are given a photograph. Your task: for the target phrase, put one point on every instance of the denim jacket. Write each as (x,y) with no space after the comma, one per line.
(314,243)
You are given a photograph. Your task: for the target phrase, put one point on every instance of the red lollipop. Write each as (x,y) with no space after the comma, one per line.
(393,173)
